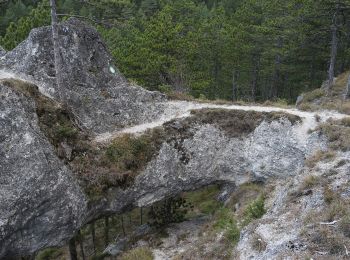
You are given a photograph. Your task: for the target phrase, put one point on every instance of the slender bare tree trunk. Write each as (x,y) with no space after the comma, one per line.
(73,250)
(123,228)
(255,77)
(277,73)
(81,244)
(56,51)
(234,85)
(106,231)
(93,234)
(334,48)
(141,215)
(347,94)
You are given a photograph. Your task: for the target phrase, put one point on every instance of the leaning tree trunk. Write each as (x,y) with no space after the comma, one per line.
(56,51)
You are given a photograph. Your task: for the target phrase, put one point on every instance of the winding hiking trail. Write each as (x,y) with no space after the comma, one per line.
(182,109)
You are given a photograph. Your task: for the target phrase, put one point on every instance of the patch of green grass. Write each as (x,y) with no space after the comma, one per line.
(225,221)
(65,132)
(312,95)
(204,200)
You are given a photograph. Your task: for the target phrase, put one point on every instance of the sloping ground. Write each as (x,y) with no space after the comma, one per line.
(319,99)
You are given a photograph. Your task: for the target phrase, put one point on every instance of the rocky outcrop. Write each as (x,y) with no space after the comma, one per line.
(42,205)
(96,91)
(40,202)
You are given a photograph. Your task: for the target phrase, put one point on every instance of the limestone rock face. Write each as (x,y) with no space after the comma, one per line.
(40,203)
(95,90)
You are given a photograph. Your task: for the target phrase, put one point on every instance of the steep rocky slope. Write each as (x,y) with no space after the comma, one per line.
(56,177)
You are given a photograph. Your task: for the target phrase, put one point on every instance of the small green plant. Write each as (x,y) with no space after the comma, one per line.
(172,210)
(65,132)
(226,222)
(165,89)
(48,254)
(256,209)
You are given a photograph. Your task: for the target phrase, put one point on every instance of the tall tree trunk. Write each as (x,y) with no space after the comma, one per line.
(347,94)
(312,73)
(73,250)
(141,215)
(255,76)
(122,222)
(276,75)
(93,234)
(334,48)
(56,51)
(234,85)
(106,231)
(81,244)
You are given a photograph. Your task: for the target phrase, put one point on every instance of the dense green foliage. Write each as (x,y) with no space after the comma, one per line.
(244,49)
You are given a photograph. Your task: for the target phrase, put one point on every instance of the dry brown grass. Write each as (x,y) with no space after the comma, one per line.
(117,164)
(318,99)
(319,156)
(338,133)
(328,238)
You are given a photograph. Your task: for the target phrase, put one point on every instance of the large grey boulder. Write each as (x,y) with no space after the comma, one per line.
(40,203)
(96,91)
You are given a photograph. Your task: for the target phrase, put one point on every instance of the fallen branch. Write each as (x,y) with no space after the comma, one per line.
(329,223)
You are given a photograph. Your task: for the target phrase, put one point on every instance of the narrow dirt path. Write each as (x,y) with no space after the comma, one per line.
(182,109)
